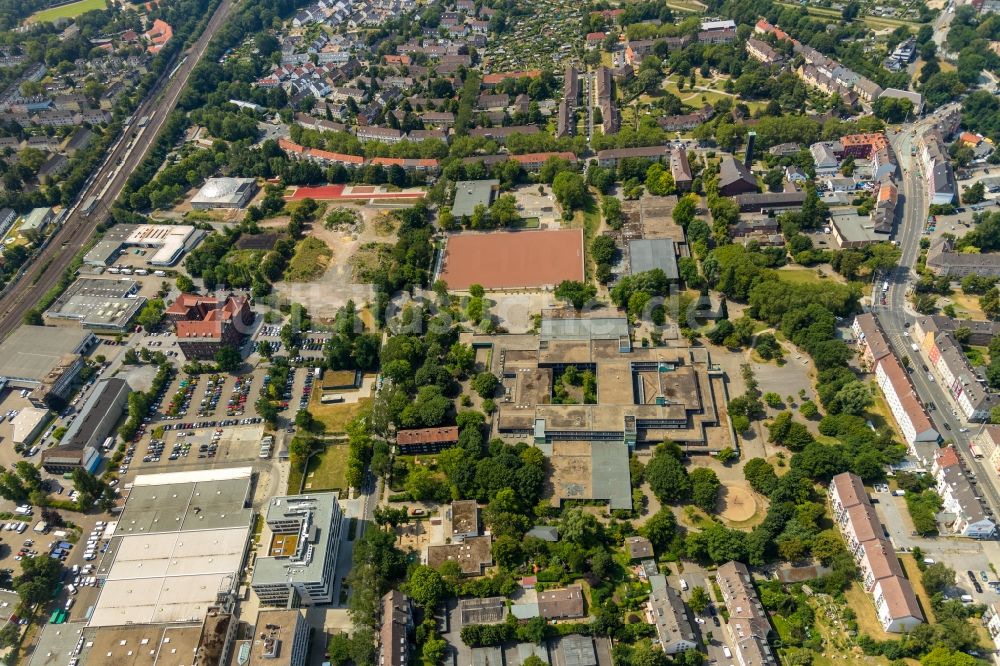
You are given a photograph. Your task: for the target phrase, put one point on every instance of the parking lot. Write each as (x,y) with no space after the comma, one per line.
(311,348)
(960,554)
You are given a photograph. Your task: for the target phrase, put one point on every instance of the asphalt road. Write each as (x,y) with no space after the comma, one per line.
(46,269)
(896,313)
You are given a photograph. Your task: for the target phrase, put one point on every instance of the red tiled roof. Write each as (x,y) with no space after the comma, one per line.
(427,436)
(531,158)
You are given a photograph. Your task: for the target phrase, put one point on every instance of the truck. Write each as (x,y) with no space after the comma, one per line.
(23,510)
(318,373)
(726,651)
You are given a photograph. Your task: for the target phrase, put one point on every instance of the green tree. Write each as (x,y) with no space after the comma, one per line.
(579,527)
(485,384)
(937,577)
(668,479)
(699,599)
(185,284)
(576,293)
(705,486)
(611,208)
(570,190)
(660,529)
(425,586)
(228,358)
(151,314)
(421,484)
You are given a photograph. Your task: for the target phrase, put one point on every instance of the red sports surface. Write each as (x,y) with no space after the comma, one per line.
(513,259)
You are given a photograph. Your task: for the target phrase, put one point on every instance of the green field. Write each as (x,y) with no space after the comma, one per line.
(71,10)
(309,261)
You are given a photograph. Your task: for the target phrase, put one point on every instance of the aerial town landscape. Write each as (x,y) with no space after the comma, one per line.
(499,333)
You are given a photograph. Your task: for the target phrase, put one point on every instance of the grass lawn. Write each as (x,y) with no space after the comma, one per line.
(327,470)
(67,11)
(806,275)
(309,261)
(977,355)
(967,306)
(913,573)
(867,620)
(527,223)
(336,416)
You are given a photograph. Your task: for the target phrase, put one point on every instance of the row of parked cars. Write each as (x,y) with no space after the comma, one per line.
(213,424)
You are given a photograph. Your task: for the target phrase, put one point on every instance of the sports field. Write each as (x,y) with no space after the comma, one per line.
(358,192)
(70,10)
(513,259)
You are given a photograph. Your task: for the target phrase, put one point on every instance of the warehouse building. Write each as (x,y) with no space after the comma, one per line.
(80,447)
(34,355)
(179,548)
(104,305)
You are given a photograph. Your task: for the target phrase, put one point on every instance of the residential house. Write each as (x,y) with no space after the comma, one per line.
(961,505)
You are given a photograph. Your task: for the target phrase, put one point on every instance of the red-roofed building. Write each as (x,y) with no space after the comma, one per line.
(158,35)
(594,39)
(534,161)
(426,440)
(397,60)
(204,324)
(863,146)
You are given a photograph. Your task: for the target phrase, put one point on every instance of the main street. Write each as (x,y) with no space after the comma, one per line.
(45,270)
(896,314)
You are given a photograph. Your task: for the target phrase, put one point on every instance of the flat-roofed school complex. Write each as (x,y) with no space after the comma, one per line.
(512,259)
(178,545)
(640,395)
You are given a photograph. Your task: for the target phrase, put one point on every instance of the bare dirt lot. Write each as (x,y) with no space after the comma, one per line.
(339,282)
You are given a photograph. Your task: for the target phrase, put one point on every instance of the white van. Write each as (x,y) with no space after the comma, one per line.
(70,602)
(726,651)
(684,585)
(71,588)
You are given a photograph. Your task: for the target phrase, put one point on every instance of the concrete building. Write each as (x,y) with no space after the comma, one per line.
(29,424)
(280,638)
(561,603)
(178,549)
(103,305)
(80,447)
(826,157)
(666,611)
(224,193)
(943,260)
(464,519)
(303,539)
(472,193)
(639,548)
(991,620)
(870,339)
(613,156)
(963,511)
(851,230)
(169,242)
(966,386)
(904,403)
(881,574)
(770,202)
(748,626)
(37,220)
(610,122)
(643,395)
(35,355)
(645,254)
